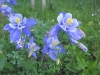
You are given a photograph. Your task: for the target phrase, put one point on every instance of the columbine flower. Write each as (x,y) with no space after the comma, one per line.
(32,48)
(20,43)
(69,25)
(6,10)
(19,25)
(52,47)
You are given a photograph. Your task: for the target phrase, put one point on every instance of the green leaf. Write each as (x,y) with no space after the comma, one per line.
(81,61)
(2,62)
(85,72)
(1,46)
(92,64)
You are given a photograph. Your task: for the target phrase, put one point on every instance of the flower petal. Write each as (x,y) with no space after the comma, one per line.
(71,29)
(64,13)
(26,31)
(76,35)
(12,19)
(23,22)
(14,35)
(60,18)
(54,30)
(73,41)
(75,23)
(52,55)
(62,50)
(31,40)
(19,16)
(34,54)
(45,39)
(45,49)
(14,26)
(68,15)
(6,27)
(30,22)
(37,47)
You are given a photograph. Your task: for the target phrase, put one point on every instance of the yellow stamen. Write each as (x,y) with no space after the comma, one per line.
(22,42)
(54,43)
(17,20)
(69,21)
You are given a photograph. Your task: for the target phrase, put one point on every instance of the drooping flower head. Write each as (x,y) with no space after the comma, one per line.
(52,47)
(20,43)
(19,25)
(6,10)
(32,48)
(69,25)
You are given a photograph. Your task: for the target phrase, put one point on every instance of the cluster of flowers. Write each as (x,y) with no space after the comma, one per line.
(67,24)
(19,29)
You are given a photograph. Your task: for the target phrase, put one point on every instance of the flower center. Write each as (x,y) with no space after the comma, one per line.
(22,43)
(69,21)
(32,46)
(17,20)
(54,43)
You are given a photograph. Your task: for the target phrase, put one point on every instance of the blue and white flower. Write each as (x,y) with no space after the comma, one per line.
(69,25)
(32,48)
(52,47)
(18,26)
(6,10)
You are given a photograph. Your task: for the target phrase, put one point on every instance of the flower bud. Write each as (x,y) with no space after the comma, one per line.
(0,52)
(58,61)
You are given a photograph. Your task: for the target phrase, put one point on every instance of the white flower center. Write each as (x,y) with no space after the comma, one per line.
(17,20)
(69,21)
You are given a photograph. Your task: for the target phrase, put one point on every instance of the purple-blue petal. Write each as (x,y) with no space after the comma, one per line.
(34,54)
(6,27)
(75,35)
(23,21)
(26,31)
(75,23)
(60,18)
(54,30)
(55,52)
(73,41)
(45,49)
(52,55)
(37,47)
(30,22)
(14,35)
(71,29)
(31,40)
(62,50)
(62,13)
(45,39)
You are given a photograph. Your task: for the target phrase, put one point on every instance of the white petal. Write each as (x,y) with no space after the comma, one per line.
(60,18)
(12,25)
